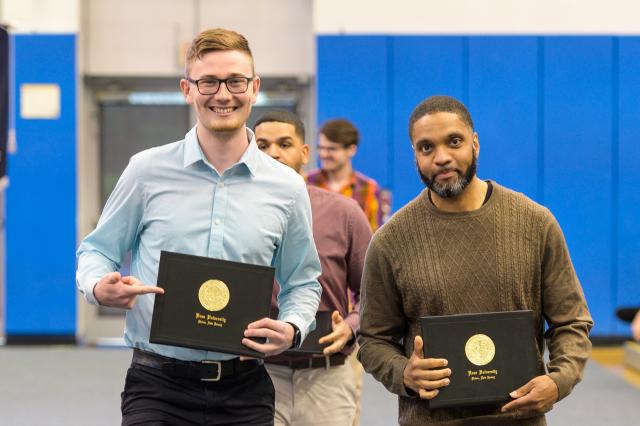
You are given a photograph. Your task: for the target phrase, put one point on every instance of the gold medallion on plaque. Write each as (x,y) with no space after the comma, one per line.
(213,295)
(480,349)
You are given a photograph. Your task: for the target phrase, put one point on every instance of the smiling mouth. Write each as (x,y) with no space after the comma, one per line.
(222,111)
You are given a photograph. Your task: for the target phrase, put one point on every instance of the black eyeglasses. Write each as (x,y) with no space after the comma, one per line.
(210,86)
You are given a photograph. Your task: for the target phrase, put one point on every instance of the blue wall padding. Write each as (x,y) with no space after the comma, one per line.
(626,178)
(40,296)
(354,84)
(558,119)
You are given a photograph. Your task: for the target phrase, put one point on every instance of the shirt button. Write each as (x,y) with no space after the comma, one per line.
(216,222)
(221,184)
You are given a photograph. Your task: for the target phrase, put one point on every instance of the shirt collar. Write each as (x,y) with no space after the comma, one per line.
(324,180)
(193,152)
(251,154)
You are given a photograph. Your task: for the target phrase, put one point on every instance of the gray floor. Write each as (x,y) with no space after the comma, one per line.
(81,386)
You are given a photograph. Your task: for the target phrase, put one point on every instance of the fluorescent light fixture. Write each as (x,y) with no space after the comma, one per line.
(156,98)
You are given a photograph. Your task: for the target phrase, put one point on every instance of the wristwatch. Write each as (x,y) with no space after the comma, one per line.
(297,336)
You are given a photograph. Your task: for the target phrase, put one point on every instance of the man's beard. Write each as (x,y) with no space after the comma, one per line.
(453,189)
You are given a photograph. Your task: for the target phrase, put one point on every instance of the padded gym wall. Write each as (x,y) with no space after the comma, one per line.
(40,292)
(557,119)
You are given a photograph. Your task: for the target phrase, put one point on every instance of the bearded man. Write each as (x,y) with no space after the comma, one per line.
(466,245)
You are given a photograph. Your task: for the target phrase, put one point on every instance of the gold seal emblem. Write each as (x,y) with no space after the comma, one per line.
(213,295)
(480,349)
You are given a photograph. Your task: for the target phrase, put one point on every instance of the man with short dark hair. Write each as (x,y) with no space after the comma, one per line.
(465,245)
(320,390)
(212,194)
(337,145)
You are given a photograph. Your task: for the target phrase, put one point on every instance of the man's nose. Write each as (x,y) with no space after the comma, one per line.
(273,151)
(223,92)
(442,156)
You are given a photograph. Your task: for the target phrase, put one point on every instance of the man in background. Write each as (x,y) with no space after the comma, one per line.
(337,145)
(320,390)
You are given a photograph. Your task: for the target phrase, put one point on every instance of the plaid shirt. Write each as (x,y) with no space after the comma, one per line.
(361,188)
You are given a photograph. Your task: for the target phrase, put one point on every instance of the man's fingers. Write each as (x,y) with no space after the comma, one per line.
(433,384)
(138,287)
(430,364)
(260,347)
(146,289)
(516,404)
(111,278)
(425,394)
(332,337)
(265,322)
(247,358)
(131,280)
(523,390)
(336,318)
(332,349)
(265,348)
(264,332)
(420,375)
(522,397)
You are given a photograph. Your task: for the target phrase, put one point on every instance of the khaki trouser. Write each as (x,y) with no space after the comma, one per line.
(358,373)
(314,397)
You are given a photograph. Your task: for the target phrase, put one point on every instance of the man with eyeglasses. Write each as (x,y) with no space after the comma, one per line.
(212,194)
(337,145)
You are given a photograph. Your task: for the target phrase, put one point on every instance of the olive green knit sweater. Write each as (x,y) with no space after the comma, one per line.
(508,255)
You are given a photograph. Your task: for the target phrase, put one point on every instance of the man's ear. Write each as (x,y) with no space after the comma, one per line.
(352,150)
(185,87)
(476,144)
(256,88)
(305,154)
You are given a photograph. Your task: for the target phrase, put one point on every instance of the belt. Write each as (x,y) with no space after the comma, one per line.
(311,362)
(207,371)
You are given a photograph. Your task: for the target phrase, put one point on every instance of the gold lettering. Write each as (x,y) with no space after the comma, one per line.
(217,319)
(210,320)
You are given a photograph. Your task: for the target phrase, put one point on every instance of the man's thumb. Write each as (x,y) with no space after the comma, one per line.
(418,346)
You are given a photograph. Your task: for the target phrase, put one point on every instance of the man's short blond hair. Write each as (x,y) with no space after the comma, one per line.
(216,39)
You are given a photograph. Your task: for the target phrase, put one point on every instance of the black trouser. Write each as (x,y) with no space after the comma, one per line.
(152,397)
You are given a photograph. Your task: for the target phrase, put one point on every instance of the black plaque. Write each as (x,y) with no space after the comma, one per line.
(310,344)
(489,354)
(208,303)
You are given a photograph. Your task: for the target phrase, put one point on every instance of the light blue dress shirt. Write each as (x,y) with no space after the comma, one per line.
(171,198)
